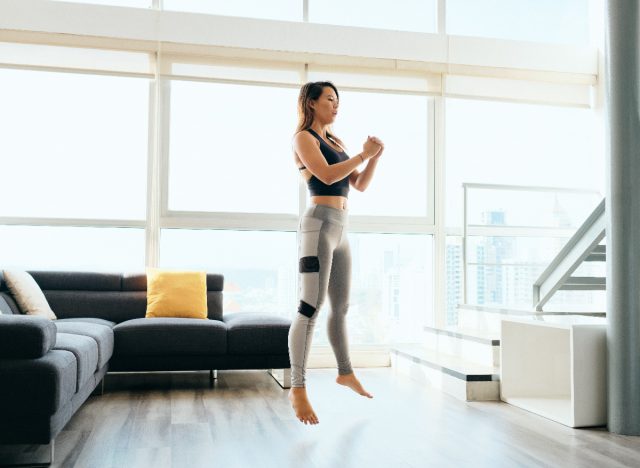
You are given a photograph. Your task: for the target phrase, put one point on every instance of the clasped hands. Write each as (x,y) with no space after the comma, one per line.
(373,147)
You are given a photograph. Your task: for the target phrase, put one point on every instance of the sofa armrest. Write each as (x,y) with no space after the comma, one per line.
(26,336)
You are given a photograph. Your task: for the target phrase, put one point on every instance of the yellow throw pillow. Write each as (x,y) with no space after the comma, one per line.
(176,293)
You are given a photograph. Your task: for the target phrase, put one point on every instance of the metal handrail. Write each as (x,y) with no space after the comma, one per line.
(526,188)
(577,249)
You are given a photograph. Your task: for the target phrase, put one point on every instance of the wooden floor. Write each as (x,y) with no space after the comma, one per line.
(244,420)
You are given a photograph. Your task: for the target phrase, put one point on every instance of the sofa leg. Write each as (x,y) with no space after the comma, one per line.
(213,374)
(17,459)
(282,376)
(51,453)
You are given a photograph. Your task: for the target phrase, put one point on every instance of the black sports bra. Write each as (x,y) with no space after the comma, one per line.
(316,186)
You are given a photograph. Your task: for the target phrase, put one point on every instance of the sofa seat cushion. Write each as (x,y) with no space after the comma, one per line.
(97,321)
(101,334)
(164,336)
(257,333)
(85,349)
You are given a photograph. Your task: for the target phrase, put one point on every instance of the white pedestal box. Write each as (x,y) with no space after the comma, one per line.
(556,370)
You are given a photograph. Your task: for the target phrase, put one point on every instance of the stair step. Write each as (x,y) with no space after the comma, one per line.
(465,380)
(478,346)
(447,363)
(589,283)
(598,254)
(469,334)
(479,317)
(586,280)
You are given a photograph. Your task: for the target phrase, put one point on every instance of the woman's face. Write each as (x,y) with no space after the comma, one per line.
(325,108)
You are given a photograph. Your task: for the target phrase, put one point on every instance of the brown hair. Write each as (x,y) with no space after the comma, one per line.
(312,92)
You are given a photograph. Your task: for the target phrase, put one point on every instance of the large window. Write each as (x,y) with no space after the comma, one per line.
(555,21)
(521,163)
(230,148)
(73,145)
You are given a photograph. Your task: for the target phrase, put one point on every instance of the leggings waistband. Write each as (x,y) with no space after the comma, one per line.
(327,213)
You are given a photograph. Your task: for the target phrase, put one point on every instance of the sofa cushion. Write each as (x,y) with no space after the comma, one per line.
(27,293)
(176,293)
(256,333)
(101,334)
(170,337)
(26,336)
(41,385)
(97,321)
(85,349)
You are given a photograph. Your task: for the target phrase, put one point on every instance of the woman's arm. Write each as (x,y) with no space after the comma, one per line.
(309,153)
(360,180)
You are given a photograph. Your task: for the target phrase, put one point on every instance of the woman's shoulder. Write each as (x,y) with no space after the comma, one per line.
(303,136)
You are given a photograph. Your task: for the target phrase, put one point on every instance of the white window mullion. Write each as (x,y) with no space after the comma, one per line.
(441,17)
(439,189)
(153,176)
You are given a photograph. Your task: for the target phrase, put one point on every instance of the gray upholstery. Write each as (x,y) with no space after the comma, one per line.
(77,280)
(5,308)
(8,305)
(253,333)
(170,336)
(39,385)
(85,350)
(26,336)
(101,334)
(36,428)
(115,306)
(95,320)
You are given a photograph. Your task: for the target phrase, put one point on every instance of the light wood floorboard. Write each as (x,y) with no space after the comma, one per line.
(177,420)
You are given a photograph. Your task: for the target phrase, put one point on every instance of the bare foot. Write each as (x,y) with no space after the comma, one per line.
(353,383)
(300,402)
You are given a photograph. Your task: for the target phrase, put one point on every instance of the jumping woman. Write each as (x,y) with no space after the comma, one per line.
(324,258)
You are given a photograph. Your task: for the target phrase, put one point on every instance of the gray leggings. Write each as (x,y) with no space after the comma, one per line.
(324,267)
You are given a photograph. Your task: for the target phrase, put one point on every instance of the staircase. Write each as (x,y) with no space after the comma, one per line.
(464,361)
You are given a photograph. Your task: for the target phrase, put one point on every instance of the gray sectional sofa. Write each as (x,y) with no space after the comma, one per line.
(49,368)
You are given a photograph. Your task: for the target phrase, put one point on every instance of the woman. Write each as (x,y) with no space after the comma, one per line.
(323,249)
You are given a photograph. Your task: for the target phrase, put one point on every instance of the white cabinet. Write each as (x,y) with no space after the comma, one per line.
(556,370)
